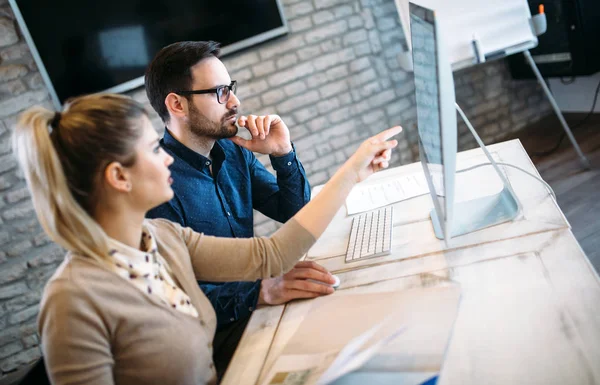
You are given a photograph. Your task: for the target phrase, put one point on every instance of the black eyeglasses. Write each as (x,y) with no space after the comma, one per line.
(222,92)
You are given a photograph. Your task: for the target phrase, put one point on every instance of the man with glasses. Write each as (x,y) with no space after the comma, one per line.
(218,181)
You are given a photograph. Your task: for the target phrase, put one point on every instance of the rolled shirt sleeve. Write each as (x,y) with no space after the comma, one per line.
(282,197)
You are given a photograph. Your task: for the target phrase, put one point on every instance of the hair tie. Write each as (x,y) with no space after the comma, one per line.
(55,120)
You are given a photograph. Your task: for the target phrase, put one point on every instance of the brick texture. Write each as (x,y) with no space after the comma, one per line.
(335,79)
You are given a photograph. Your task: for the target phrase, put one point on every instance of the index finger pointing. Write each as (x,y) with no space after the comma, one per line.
(385,135)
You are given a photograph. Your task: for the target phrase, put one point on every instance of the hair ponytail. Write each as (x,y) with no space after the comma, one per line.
(65,222)
(51,162)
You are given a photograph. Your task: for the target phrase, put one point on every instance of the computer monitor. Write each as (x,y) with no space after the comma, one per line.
(436,116)
(437,132)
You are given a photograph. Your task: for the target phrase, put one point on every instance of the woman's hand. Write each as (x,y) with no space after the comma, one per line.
(300,282)
(373,154)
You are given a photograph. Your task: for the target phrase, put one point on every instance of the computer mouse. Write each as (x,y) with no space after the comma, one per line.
(335,285)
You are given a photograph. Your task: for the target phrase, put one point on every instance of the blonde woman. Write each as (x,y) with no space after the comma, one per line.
(124,306)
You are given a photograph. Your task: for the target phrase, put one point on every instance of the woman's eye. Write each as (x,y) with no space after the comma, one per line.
(157,149)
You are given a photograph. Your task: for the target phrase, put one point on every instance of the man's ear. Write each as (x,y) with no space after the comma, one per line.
(117,177)
(177,105)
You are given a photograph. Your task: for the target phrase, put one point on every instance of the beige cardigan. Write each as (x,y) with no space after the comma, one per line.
(97,328)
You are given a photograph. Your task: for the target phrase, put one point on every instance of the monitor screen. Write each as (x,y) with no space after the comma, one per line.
(92,46)
(427,94)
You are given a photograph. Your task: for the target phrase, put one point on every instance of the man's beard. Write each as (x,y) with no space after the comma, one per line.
(200,125)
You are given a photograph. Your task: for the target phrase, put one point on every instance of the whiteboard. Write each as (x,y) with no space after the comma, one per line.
(502,27)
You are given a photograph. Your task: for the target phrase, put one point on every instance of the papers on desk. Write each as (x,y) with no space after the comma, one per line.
(385,192)
(392,332)
(324,368)
(376,194)
(353,357)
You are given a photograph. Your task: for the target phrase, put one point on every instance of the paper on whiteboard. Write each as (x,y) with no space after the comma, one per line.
(499,24)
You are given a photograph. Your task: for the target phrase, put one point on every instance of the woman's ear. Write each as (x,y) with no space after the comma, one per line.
(117,177)
(176,105)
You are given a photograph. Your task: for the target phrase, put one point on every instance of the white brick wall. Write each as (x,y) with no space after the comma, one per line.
(335,79)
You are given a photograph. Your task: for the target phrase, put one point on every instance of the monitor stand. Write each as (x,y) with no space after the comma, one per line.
(477,214)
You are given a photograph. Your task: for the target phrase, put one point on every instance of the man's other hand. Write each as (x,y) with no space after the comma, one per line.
(269,133)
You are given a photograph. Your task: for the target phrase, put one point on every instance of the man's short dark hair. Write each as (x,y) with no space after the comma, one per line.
(170,70)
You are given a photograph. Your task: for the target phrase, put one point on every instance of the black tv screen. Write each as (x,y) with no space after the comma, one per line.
(84,46)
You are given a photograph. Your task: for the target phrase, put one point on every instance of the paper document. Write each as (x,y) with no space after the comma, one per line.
(386,192)
(352,357)
(298,369)
(469,185)
(404,333)
(324,368)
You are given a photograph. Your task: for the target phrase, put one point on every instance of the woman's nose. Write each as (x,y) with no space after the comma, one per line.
(169,159)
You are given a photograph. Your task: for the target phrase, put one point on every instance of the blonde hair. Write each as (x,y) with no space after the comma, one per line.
(63,156)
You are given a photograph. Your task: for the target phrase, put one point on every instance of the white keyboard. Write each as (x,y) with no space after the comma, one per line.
(371,235)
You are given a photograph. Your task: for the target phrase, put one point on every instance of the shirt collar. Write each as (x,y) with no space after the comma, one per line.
(132,258)
(190,156)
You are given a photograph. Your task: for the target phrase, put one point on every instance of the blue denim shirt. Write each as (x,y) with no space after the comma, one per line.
(221,204)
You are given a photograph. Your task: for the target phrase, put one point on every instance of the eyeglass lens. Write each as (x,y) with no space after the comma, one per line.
(223,92)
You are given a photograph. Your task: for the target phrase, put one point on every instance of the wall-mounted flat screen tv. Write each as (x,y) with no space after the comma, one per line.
(84,46)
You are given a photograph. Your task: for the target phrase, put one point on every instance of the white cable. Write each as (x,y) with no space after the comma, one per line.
(492,161)
(513,166)
(484,148)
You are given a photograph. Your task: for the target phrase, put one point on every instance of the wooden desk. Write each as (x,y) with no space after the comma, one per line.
(530,306)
